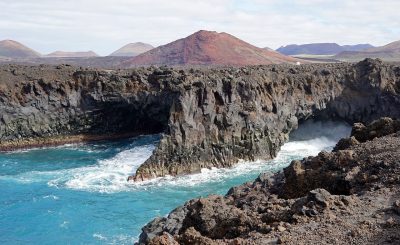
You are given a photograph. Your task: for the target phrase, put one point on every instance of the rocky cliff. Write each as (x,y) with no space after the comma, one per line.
(208,117)
(348,196)
(45,105)
(247,113)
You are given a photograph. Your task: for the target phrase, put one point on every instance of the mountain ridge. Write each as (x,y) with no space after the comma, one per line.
(388,52)
(209,48)
(320,48)
(132,49)
(13,49)
(64,54)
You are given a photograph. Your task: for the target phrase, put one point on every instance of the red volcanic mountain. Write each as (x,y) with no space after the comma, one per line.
(208,48)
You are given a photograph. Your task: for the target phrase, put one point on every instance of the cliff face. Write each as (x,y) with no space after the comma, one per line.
(45,105)
(348,196)
(209,117)
(247,113)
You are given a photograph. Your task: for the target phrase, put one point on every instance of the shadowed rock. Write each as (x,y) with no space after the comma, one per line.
(208,117)
(248,113)
(347,196)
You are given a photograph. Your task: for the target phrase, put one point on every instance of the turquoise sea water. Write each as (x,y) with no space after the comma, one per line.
(78,194)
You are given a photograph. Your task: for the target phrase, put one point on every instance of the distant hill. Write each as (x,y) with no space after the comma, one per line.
(14,49)
(320,48)
(389,52)
(357,47)
(269,49)
(107,62)
(132,49)
(391,47)
(208,48)
(63,54)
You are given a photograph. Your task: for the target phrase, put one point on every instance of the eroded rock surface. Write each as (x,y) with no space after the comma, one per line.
(208,117)
(42,105)
(248,113)
(348,196)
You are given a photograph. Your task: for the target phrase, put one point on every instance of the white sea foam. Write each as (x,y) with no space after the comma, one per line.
(64,224)
(110,175)
(289,151)
(32,177)
(100,237)
(72,146)
(51,197)
(117,239)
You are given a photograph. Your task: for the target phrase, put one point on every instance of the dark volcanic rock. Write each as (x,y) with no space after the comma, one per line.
(212,118)
(378,128)
(248,113)
(209,117)
(44,105)
(350,196)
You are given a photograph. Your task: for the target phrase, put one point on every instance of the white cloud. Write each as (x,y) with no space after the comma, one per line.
(104,26)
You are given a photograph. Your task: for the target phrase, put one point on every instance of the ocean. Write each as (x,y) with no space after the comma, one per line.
(78,193)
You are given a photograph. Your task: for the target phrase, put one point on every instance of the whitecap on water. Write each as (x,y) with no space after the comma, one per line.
(100,237)
(110,175)
(289,151)
(51,197)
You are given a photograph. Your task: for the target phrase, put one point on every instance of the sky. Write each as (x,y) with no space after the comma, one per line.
(104,26)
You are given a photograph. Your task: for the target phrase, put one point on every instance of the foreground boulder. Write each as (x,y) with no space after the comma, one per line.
(348,196)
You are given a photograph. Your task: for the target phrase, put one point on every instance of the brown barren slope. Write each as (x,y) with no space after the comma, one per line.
(388,52)
(132,49)
(64,54)
(13,49)
(209,48)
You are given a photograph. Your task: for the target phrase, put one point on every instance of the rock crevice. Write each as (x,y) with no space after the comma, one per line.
(350,195)
(208,117)
(248,113)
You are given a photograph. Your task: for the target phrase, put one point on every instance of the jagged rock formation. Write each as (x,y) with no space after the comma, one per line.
(46,105)
(248,113)
(209,117)
(349,196)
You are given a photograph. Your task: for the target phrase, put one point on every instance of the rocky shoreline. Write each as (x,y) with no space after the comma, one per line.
(52,105)
(208,117)
(348,196)
(214,117)
(30,143)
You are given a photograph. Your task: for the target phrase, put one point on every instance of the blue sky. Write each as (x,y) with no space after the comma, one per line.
(104,26)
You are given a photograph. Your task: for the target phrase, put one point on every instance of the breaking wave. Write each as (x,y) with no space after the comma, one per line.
(110,175)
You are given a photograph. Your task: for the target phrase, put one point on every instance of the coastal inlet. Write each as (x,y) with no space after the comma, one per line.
(68,193)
